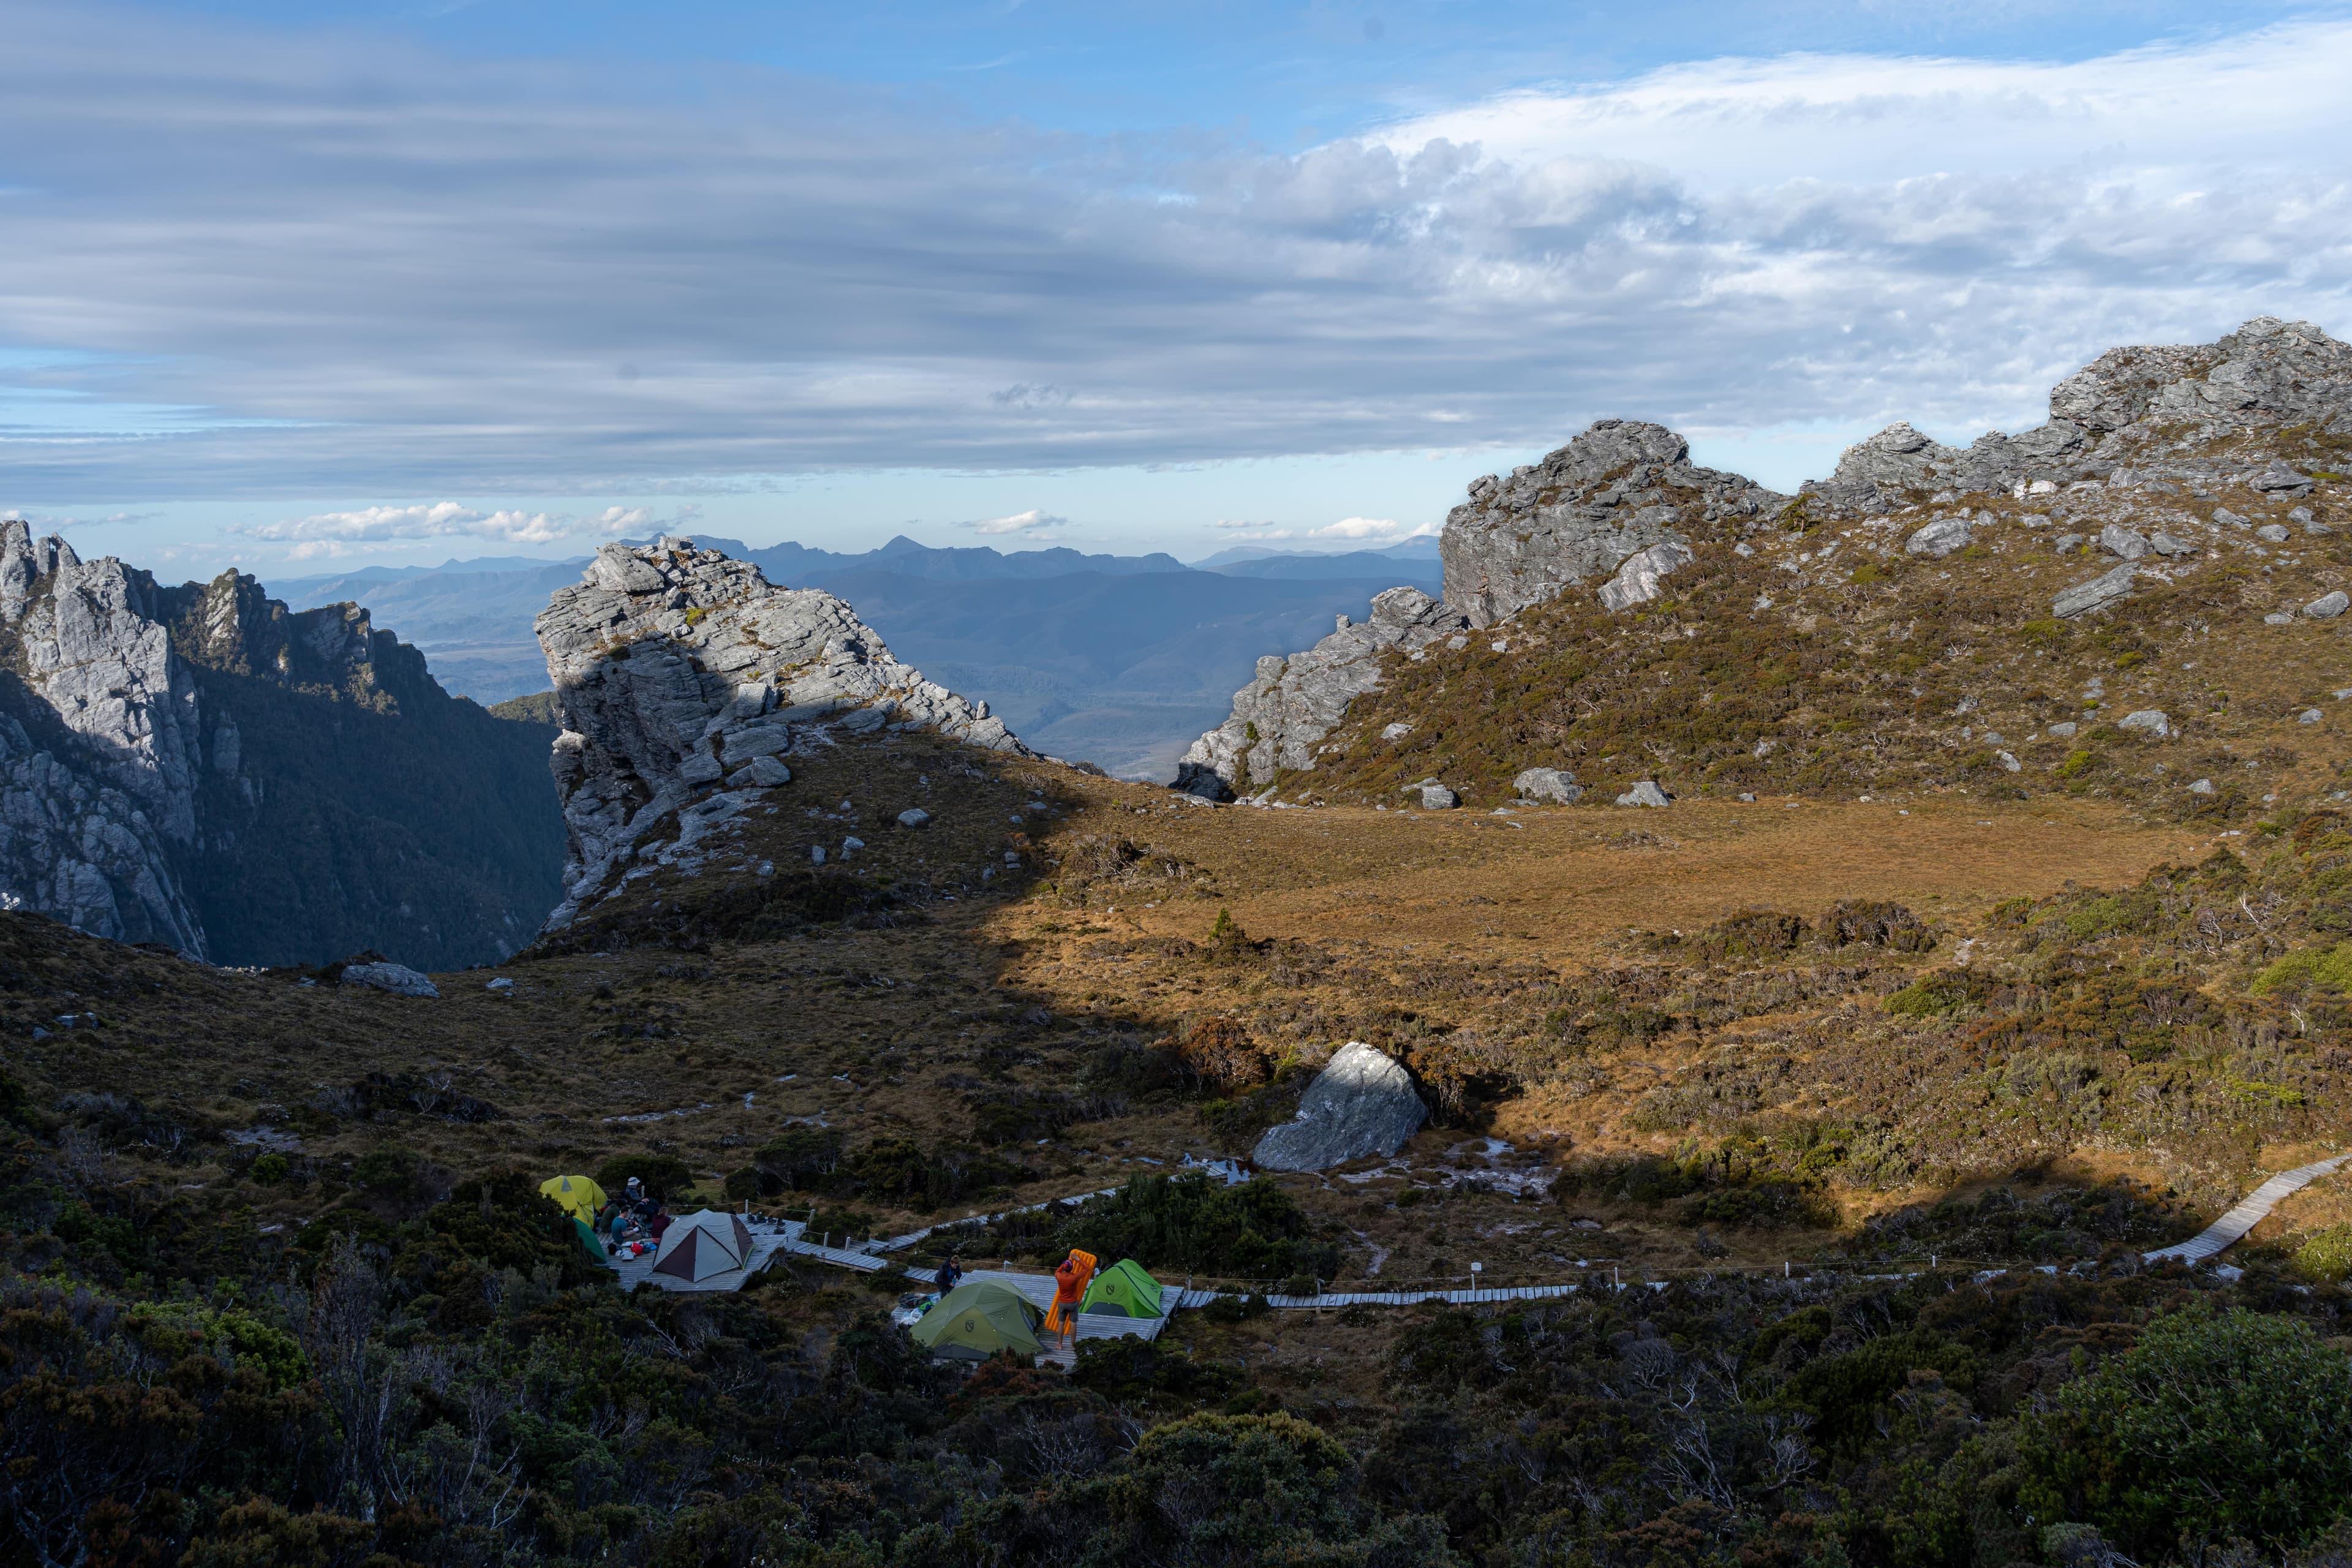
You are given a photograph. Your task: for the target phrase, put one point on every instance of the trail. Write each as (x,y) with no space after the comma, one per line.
(2251,1211)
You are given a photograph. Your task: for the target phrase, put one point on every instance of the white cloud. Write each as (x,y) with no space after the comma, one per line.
(546,278)
(1030,524)
(326,532)
(1352,532)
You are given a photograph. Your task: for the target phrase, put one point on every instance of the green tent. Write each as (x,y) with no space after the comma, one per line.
(585,1235)
(1124,1291)
(972,1322)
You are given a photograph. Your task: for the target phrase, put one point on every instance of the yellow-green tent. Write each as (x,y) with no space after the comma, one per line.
(580,1196)
(972,1322)
(1124,1291)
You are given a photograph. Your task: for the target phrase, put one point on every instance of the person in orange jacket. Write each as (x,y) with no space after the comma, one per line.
(1070,1282)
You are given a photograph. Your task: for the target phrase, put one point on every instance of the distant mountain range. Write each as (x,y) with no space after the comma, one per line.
(1115,660)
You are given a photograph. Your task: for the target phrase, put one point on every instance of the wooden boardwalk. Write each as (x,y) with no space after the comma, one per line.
(2251,1211)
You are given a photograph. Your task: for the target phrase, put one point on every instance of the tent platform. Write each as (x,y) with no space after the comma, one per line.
(768,1239)
(1039,1290)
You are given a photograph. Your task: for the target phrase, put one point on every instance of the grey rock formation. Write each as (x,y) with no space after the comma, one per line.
(684,677)
(2096,595)
(1646,792)
(2128,543)
(1281,718)
(1361,1104)
(2268,372)
(2148,721)
(1621,488)
(2278,479)
(2327,606)
(914,816)
(1939,538)
(396,978)
(1437,797)
(1554,785)
(1636,581)
(2272,533)
(201,768)
(1621,507)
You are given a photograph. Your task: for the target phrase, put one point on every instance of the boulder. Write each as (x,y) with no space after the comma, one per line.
(2202,786)
(914,816)
(1646,792)
(2327,606)
(1553,784)
(2272,533)
(2148,721)
(1361,1104)
(2164,544)
(396,978)
(2118,539)
(764,772)
(1437,797)
(2064,730)
(2279,480)
(2096,595)
(2227,519)
(1939,538)
(1636,581)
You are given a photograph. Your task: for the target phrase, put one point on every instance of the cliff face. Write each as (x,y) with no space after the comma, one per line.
(1620,509)
(687,681)
(199,767)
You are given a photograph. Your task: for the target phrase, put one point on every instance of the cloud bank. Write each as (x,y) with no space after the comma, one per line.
(349,266)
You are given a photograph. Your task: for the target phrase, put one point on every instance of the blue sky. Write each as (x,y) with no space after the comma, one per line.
(340,283)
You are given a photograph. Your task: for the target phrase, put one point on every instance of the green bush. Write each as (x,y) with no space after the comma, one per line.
(2328,1256)
(2309,969)
(663,1174)
(269,1170)
(2211,1427)
(1198,1224)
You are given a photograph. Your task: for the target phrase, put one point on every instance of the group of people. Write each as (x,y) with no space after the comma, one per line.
(636,1215)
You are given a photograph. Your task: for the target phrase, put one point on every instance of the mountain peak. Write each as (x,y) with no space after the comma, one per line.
(686,678)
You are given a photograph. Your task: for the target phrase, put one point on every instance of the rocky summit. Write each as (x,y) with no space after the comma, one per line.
(2164,477)
(687,681)
(201,768)
(1618,505)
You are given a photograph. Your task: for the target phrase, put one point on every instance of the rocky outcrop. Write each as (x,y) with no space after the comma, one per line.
(1280,718)
(1617,508)
(1620,509)
(2121,408)
(1620,488)
(201,768)
(686,680)
(1361,1104)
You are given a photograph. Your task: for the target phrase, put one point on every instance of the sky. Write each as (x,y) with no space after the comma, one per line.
(308,286)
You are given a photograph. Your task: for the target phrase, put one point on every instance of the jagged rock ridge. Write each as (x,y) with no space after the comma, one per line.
(1622,504)
(1619,504)
(687,681)
(201,768)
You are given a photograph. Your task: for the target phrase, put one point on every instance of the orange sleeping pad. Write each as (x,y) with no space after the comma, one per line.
(1070,1282)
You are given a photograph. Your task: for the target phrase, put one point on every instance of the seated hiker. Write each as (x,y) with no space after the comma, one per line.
(1070,1281)
(660,1222)
(950,1272)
